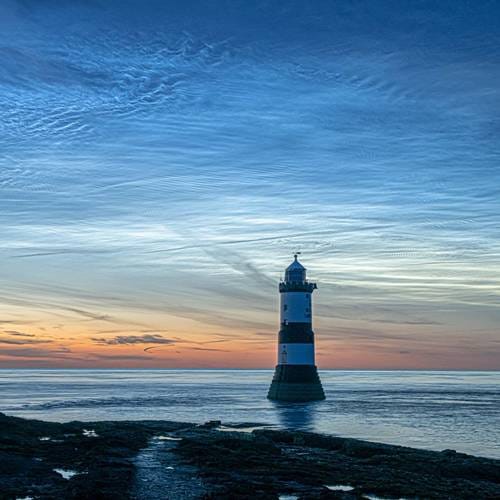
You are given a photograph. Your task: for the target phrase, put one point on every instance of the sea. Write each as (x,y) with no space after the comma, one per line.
(435,410)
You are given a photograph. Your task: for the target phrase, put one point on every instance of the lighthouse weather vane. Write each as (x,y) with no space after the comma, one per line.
(296,376)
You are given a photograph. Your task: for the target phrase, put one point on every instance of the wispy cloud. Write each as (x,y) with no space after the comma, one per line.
(23,341)
(206,349)
(118,357)
(39,352)
(16,333)
(133,339)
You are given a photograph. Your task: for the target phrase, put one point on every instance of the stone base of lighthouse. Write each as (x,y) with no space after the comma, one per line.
(296,383)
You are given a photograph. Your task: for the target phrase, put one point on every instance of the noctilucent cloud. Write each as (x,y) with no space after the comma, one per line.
(161,161)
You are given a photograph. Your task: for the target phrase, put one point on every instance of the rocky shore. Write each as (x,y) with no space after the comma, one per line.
(172,460)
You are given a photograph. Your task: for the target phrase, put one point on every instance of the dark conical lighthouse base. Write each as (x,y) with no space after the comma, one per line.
(296,383)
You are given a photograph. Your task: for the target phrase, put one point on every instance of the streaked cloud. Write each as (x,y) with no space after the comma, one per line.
(23,341)
(133,339)
(15,333)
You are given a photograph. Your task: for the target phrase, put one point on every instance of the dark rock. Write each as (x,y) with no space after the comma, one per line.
(276,462)
(211,424)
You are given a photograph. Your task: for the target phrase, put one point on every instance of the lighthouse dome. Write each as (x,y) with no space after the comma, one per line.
(295,272)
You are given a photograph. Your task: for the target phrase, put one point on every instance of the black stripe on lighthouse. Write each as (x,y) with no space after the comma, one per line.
(296,333)
(297,374)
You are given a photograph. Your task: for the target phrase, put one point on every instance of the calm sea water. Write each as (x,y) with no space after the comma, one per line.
(434,410)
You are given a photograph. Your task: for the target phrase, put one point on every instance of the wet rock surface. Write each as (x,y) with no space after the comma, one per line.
(269,463)
(169,460)
(103,460)
(161,474)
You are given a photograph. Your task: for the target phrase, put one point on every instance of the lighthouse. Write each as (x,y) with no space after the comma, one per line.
(296,376)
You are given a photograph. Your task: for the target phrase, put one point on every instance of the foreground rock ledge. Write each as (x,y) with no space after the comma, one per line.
(82,460)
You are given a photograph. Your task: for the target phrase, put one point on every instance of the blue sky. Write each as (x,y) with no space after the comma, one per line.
(161,161)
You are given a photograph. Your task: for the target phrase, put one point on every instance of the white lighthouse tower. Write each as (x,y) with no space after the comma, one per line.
(296,376)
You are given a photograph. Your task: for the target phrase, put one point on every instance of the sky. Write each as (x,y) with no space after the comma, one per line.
(161,161)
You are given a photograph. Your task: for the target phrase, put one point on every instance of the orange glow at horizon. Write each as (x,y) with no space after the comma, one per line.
(188,344)
(74,329)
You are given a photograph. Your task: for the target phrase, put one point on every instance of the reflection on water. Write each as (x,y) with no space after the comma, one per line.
(435,410)
(299,416)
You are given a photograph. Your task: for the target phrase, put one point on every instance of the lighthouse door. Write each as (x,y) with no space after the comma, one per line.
(283,356)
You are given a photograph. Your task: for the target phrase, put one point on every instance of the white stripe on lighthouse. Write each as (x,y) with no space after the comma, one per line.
(296,307)
(296,354)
